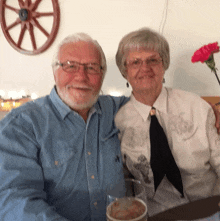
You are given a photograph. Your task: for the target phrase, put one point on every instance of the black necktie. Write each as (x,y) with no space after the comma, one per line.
(162,161)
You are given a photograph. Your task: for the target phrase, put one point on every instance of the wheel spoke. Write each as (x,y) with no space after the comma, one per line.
(12,8)
(27,3)
(31,32)
(35,5)
(18,21)
(39,14)
(37,24)
(21,3)
(27,21)
(21,36)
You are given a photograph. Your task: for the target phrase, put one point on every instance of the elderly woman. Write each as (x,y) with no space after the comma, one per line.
(188,167)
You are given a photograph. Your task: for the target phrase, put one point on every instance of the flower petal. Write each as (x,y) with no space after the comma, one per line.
(205,52)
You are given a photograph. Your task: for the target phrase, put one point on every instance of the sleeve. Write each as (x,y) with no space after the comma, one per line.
(118,102)
(214,142)
(22,195)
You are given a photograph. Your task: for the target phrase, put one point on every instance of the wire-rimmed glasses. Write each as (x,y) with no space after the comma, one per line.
(137,63)
(74,66)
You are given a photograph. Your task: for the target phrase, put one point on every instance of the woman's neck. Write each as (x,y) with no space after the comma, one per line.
(147,97)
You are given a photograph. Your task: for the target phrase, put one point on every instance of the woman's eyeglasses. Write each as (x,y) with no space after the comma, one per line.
(137,63)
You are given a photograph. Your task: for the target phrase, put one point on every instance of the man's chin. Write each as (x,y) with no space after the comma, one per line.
(78,101)
(79,104)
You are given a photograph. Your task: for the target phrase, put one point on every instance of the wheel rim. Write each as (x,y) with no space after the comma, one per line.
(28,20)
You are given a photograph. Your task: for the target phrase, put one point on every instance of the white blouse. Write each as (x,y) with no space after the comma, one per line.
(189,123)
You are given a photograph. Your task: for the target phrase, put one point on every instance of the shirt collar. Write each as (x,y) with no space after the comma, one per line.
(64,109)
(160,104)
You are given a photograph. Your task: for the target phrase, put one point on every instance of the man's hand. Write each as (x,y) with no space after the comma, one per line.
(217,115)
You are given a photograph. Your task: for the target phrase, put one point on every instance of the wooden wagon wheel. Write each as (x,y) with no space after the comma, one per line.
(28,20)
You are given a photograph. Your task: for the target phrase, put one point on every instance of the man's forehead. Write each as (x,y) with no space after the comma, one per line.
(79,45)
(79,49)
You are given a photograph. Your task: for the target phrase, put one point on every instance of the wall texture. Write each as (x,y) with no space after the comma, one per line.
(187,25)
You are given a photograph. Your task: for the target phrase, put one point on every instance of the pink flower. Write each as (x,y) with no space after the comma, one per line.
(205,52)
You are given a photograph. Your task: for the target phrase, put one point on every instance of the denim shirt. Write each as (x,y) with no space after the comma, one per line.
(53,165)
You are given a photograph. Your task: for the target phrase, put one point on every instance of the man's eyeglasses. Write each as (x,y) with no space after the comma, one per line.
(74,66)
(137,63)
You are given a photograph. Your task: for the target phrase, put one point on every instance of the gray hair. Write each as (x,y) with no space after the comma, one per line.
(142,38)
(76,38)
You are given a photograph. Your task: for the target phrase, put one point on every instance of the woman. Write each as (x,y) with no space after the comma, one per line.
(187,120)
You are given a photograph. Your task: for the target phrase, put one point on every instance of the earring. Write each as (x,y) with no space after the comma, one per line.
(164,80)
(127,84)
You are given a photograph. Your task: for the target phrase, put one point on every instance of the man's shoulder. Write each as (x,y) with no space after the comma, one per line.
(126,111)
(35,107)
(112,102)
(104,98)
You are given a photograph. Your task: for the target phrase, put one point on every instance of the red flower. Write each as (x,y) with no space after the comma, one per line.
(205,52)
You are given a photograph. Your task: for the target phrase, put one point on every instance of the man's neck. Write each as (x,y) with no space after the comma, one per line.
(83,113)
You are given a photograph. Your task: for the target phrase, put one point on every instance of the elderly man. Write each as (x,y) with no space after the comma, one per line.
(60,154)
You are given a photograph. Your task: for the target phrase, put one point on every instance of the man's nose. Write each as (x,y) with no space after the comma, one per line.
(81,73)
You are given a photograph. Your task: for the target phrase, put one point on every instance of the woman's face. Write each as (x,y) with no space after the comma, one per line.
(145,71)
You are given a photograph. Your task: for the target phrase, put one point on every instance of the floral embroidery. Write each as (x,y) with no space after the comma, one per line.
(133,137)
(179,125)
(139,170)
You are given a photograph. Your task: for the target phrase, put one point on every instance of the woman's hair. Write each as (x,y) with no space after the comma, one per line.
(76,38)
(144,38)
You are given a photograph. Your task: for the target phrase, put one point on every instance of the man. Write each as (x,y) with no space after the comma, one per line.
(60,154)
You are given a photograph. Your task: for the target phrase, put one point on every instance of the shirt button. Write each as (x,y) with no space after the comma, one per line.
(89,153)
(93,177)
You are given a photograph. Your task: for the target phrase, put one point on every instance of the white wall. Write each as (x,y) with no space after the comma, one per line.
(189,25)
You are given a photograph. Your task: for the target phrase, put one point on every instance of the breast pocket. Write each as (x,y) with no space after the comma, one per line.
(56,155)
(182,128)
(112,155)
(111,145)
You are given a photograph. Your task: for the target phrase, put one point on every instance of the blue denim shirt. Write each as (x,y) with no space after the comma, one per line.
(53,165)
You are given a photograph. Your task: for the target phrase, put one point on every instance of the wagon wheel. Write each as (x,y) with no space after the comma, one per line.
(28,20)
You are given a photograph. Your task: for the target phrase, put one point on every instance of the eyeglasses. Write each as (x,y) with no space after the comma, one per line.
(74,66)
(137,63)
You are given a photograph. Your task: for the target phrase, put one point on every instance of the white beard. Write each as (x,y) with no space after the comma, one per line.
(73,103)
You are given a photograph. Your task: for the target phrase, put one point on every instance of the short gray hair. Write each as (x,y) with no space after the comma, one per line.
(142,38)
(76,38)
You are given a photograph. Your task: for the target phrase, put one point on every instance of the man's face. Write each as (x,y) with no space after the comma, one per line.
(78,90)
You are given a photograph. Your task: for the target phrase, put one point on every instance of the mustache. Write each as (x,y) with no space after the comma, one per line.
(79,86)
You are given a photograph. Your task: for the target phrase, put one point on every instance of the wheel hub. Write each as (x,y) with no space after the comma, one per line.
(23,14)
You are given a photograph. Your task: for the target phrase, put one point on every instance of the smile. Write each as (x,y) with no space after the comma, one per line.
(146,76)
(82,88)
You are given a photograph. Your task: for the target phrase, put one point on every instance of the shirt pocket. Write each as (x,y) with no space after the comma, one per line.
(111,145)
(112,152)
(189,134)
(56,155)
(183,129)
(111,159)
(111,134)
